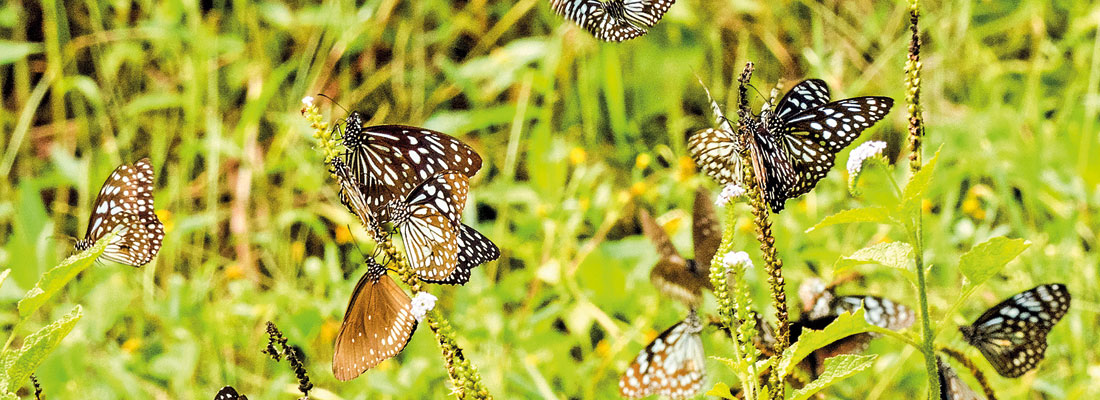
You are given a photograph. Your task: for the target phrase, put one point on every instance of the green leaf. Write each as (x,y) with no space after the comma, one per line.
(893,254)
(845,325)
(56,278)
(867,214)
(836,369)
(720,390)
(14,51)
(913,196)
(987,259)
(731,363)
(21,363)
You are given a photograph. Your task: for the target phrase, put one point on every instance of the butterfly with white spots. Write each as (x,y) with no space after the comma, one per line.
(125,206)
(792,147)
(1012,335)
(377,325)
(672,365)
(614,20)
(229,393)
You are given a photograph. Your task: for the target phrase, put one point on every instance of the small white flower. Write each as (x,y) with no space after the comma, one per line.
(862,153)
(737,258)
(421,304)
(729,193)
(307,101)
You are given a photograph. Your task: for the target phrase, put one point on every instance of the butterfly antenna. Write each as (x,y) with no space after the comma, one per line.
(334,102)
(767,100)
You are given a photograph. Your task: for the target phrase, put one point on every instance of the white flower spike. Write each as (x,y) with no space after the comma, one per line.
(729,193)
(421,304)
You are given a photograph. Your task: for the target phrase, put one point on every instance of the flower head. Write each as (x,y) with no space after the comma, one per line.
(307,101)
(421,304)
(729,193)
(862,153)
(737,258)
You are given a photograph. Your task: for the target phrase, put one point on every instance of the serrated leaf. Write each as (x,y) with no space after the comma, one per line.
(866,214)
(892,254)
(21,363)
(56,278)
(845,325)
(836,369)
(987,259)
(720,390)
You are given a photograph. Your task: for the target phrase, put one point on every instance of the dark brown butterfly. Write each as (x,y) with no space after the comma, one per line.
(672,365)
(229,393)
(676,277)
(1012,335)
(125,206)
(951,386)
(391,160)
(377,324)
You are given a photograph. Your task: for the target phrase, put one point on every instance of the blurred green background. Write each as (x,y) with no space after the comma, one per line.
(576,135)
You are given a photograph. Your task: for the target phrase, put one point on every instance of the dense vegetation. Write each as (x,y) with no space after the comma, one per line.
(577,135)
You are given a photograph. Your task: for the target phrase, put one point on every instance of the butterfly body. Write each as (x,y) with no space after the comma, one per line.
(1012,335)
(125,206)
(672,365)
(791,148)
(377,325)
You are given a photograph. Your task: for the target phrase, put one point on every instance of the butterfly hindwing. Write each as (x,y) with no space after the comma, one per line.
(473,249)
(1012,335)
(951,386)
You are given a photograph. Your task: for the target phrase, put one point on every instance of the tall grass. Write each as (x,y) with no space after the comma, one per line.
(210,91)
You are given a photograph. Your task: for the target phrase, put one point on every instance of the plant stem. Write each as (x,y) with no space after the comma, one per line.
(916,133)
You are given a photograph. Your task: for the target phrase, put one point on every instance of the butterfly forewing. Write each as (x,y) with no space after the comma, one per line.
(615,20)
(125,206)
(377,325)
(672,365)
(391,160)
(429,225)
(353,198)
(878,311)
(680,279)
(808,94)
(229,393)
(951,386)
(715,153)
(1013,334)
(706,236)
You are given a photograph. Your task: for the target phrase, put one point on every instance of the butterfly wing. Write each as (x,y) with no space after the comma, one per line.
(646,12)
(1013,334)
(951,386)
(704,228)
(672,365)
(353,198)
(605,21)
(229,393)
(391,160)
(806,95)
(377,325)
(673,276)
(473,249)
(430,231)
(125,205)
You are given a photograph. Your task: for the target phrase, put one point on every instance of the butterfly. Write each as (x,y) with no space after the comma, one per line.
(824,309)
(672,365)
(615,20)
(125,206)
(440,248)
(377,325)
(676,277)
(229,393)
(389,161)
(951,386)
(792,147)
(1013,334)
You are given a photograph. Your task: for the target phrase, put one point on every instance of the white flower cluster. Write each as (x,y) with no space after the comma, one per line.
(307,101)
(736,258)
(862,153)
(421,304)
(729,193)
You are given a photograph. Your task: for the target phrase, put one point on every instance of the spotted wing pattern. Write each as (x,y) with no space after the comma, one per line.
(473,249)
(391,160)
(793,147)
(229,393)
(672,365)
(377,325)
(125,206)
(352,197)
(615,20)
(429,224)
(1013,334)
